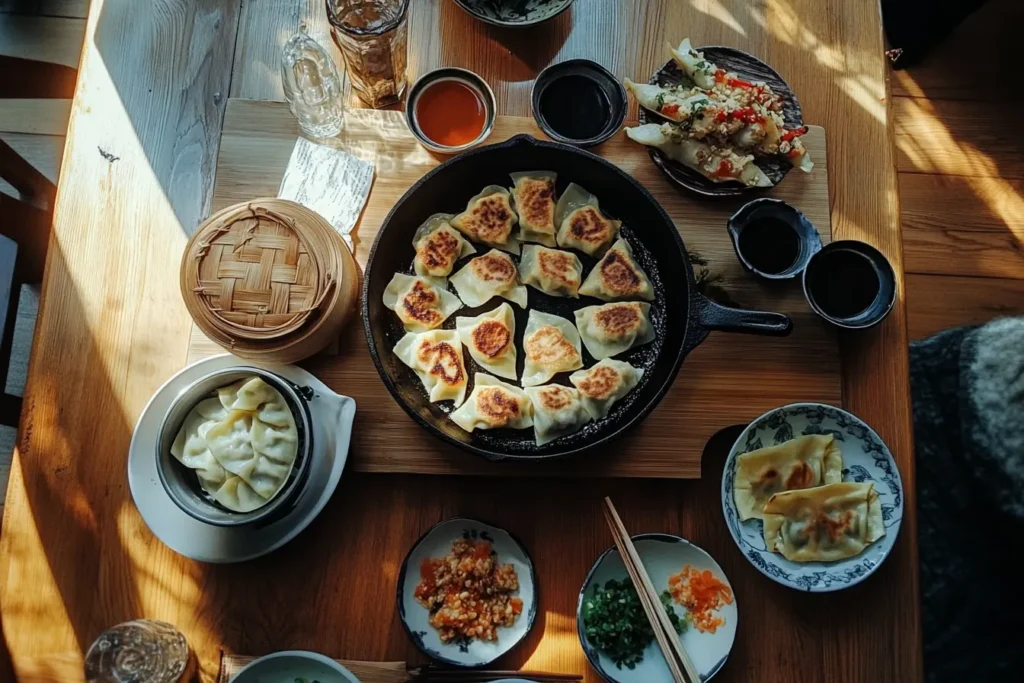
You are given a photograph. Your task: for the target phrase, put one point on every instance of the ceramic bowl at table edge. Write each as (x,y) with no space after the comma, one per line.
(469,6)
(591,652)
(530,612)
(249,672)
(470,79)
(821,581)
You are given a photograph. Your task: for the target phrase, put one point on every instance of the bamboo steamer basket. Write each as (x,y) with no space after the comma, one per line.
(269,280)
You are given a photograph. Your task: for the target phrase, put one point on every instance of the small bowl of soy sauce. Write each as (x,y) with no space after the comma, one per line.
(578,102)
(848,283)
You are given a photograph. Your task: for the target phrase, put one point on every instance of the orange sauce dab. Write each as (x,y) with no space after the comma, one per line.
(450,113)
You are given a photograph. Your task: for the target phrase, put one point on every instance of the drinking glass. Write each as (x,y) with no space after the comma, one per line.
(140,651)
(372,35)
(312,86)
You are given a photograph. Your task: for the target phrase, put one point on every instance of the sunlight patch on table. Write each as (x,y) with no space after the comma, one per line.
(716,10)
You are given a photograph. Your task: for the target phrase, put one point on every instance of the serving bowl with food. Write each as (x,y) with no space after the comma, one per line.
(293,666)
(564,280)
(812,497)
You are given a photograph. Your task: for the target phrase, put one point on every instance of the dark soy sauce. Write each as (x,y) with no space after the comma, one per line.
(575,107)
(843,283)
(770,245)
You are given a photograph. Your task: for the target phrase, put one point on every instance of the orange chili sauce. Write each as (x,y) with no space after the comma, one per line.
(450,113)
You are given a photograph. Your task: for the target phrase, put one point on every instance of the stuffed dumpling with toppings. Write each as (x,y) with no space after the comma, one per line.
(436,358)
(611,329)
(551,345)
(493,404)
(489,218)
(533,198)
(581,224)
(420,303)
(438,246)
(604,384)
(552,271)
(557,411)
(617,276)
(489,275)
(490,338)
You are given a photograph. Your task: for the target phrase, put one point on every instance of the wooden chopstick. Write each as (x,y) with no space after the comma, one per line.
(665,633)
(431,674)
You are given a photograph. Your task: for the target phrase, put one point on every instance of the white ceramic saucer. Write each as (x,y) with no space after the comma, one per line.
(332,430)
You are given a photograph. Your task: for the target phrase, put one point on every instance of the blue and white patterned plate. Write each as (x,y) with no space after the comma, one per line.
(865,458)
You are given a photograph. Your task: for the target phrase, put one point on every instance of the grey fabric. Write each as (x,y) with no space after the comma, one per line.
(968,399)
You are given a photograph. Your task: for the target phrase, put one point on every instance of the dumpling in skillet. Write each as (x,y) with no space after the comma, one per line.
(604,384)
(617,276)
(490,338)
(493,405)
(436,358)
(799,463)
(533,198)
(420,303)
(557,412)
(551,345)
(489,218)
(552,271)
(611,329)
(490,275)
(824,523)
(438,246)
(581,225)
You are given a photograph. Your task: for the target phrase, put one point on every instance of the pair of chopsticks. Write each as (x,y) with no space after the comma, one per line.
(432,674)
(664,632)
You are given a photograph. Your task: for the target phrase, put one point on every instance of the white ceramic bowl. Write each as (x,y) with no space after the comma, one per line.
(292,664)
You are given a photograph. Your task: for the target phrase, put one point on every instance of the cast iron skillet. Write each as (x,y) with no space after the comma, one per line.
(681,316)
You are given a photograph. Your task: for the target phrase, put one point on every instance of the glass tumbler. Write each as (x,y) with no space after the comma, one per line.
(372,35)
(140,651)
(312,86)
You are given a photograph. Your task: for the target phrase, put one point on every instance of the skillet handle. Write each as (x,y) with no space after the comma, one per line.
(714,316)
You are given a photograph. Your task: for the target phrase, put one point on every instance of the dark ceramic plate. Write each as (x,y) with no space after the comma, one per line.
(749,67)
(437,542)
(515,13)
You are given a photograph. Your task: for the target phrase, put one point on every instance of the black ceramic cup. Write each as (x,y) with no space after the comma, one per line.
(773,239)
(850,284)
(578,102)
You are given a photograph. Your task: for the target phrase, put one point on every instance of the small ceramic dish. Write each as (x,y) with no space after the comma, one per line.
(294,665)
(436,543)
(773,217)
(663,555)
(474,82)
(514,14)
(567,93)
(850,284)
(865,458)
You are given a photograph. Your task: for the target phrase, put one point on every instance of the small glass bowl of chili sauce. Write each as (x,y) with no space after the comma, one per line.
(450,110)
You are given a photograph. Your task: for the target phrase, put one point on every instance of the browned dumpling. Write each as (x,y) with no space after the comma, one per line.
(617,276)
(552,271)
(420,303)
(611,329)
(581,225)
(534,200)
(799,463)
(489,275)
(493,404)
(489,218)
(436,357)
(438,246)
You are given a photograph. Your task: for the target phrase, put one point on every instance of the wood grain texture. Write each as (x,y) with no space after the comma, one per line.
(43,152)
(65,521)
(34,116)
(46,39)
(938,302)
(714,390)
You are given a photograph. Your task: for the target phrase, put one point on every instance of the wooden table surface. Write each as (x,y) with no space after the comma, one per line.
(75,557)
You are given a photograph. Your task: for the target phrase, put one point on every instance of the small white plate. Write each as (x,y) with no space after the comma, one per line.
(663,555)
(332,429)
(437,542)
(865,458)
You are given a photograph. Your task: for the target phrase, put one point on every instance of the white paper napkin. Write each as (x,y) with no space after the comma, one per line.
(329,181)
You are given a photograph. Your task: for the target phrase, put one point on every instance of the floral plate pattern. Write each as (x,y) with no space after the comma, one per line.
(865,458)
(514,13)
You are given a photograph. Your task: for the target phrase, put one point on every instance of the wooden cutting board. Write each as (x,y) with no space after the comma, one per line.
(729,379)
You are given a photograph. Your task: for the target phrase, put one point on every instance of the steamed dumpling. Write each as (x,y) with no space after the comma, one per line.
(611,329)
(190,448)
(581,225)
(604,384)
(490,338)
(799,463)
(557,411)
(617,276)
(436,358)
(533,198)
(490,275)
(824,523)
(420,303)
(235,494)
(489,218)
(493,405)
(552,271)
(551,345)
(247,394)
(438,246)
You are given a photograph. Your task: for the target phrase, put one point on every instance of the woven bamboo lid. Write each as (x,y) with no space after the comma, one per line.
(262,276)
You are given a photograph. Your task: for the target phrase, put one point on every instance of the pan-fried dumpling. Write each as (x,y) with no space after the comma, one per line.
(420,303)
(533,198)
(490,338)
(489,218)
(493,405)
(436,357)
(438,246)
(799,463)
(557,411)
(490,275)
(581,225)
(604,384)
(552,271)
(825,523)
(551,345)
(617,276)
(611,329)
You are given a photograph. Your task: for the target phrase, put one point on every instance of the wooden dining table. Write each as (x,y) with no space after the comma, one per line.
(137,178)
